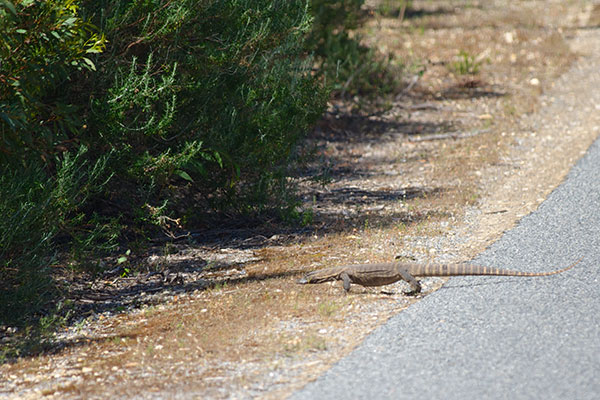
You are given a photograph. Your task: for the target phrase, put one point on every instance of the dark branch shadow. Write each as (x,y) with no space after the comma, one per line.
(460,92)
(361,196)
(359,128)
(414,12)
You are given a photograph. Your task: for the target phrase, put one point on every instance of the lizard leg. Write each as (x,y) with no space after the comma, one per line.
(346,279)
(414,284)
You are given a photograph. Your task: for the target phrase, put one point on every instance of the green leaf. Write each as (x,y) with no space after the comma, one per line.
(89,62)
(8,120)
(70,21)
(21,31)
(98,44)
(184,175)
(218,159)
(10,6)
(121,260)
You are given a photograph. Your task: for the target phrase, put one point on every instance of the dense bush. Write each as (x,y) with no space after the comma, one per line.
(43,44)
(129,110)
(38,211)
(214,93)
(348,66)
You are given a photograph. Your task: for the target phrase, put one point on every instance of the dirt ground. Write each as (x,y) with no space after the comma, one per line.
(437,174)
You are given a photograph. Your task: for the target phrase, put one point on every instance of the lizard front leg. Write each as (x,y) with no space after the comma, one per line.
(411,280)
(346,279)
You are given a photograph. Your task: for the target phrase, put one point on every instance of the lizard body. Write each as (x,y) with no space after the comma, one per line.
(387,273)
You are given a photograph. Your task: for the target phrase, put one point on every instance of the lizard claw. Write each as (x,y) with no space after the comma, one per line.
(414,292)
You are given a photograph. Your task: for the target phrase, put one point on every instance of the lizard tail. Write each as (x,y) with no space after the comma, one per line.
(468,269)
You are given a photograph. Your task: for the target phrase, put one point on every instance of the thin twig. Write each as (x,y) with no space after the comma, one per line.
(420,106)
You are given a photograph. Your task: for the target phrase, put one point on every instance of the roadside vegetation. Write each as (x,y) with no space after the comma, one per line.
(124,120)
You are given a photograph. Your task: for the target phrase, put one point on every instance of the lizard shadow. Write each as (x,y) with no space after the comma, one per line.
(447,286)
(476,284)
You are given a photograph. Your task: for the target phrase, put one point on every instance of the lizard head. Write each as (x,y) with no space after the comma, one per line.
(316,277)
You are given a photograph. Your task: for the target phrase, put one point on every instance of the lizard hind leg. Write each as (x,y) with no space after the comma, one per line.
(412,281)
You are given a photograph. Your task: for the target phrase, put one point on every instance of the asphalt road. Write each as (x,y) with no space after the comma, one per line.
(493,337)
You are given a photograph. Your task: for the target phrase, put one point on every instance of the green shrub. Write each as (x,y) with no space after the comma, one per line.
(43,44)
(45,48)
(210,96)
(194,104)
(37,210)
(26,233)
(346,64)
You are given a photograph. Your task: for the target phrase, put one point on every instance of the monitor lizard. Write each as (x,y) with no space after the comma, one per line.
(387,273)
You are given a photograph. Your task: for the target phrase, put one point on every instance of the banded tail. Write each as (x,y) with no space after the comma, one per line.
(468,269)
